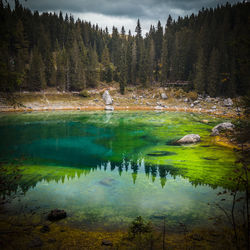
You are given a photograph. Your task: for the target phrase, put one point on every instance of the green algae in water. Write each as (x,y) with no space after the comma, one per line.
(105,169)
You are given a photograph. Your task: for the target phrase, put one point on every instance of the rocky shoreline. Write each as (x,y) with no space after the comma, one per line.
(158,99)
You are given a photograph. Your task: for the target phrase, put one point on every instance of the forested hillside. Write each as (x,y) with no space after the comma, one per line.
(210,49)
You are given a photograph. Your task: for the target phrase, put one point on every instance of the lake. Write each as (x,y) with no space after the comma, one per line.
(106,168)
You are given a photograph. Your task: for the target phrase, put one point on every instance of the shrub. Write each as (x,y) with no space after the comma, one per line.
(129,89)
(84,93)
(192,95)
(179,93)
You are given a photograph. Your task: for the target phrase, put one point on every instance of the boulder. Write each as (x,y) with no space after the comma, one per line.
(196,102)
(107,98)
(164,96)
(107,243)
(228,102)
(57,214)
(191,138)
(222,127)
(186,100)
(214,107)
(109,108)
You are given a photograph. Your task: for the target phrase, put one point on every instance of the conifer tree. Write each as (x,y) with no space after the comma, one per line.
(22,55)
(158,41)
(213,72)
(106,74)
(92,75)
(134,63)
(123,69)
(61,74)
(36,73)
(150,61)
(200,77)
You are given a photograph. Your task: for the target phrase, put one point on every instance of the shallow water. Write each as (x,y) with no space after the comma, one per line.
(107,168)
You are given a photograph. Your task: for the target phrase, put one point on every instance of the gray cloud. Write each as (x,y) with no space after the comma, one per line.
(129,8)
(123,12)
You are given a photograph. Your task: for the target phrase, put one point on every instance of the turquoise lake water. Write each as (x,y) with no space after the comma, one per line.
(106,168)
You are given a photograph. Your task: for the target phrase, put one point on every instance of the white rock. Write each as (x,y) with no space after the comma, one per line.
(191,138)
(208,99)
(214,107)
(192,105)
(222,127)
(164,96)
(107,98)
(228,102)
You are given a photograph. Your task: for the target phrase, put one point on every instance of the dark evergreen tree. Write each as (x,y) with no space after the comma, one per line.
(36,76)
(106,74)
(201,71)
(213,72)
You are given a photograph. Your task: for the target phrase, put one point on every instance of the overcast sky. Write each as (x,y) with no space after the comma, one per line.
(125,13)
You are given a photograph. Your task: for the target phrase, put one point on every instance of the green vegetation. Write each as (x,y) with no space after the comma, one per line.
(211,50)
(139,226)
(84,93)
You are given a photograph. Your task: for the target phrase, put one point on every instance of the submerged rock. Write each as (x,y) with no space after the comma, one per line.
(45,229)
(57,214)
(210,158)
(107,98)
(107,243)
(191,138)
(108,182)
(161,153)
(222,127)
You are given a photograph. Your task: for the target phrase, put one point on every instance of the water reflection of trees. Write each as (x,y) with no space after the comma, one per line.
(18,178)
